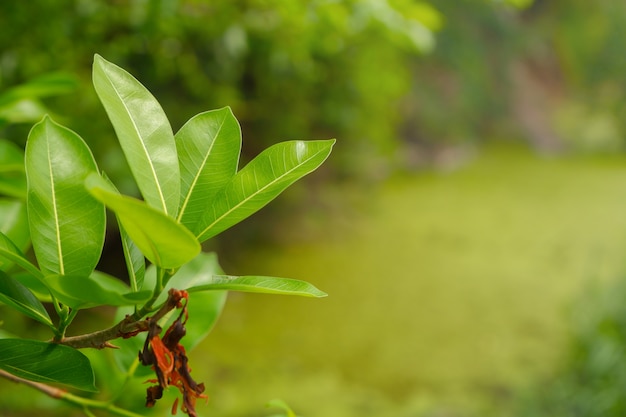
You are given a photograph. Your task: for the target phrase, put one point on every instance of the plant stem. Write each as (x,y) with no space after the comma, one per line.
(61,394)
(66,320)
(127,327)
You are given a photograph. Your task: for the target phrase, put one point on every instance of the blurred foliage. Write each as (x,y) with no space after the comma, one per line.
(368,72)
(593,377)
(334,68)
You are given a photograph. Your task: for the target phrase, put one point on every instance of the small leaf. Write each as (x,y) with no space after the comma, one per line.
(144,133)
(283,406)
(165,242)
(94,290)
(16,295)
(208,148)
(258,284)
(66,223)
(46,362)
(259,182)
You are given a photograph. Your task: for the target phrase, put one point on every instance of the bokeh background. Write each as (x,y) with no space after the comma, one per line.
(469,227)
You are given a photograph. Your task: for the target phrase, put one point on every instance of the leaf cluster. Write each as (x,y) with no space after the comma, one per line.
(192,189)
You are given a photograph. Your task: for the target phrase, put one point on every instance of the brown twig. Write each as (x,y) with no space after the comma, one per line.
(127,327)
(63,395)
(46,389)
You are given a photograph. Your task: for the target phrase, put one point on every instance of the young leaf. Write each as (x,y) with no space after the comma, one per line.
(165,242)
(278,403)
(16,295)
(46,362)
(258,284)
(66,223)
(94,290)
(144,133)
(259,182)
(208,148)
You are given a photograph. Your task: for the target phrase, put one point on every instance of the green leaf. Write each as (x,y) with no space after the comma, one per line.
(135,261)
(12,176)
(208,148)
(257,284)
(97,289)
(278,403)
(259,182)
(14,222)
(34,283)
(165,242)
(204,307)
(10,252)
(47,85)
(16,295)
(46,362)
(11,157)
(144,133)
(67,224)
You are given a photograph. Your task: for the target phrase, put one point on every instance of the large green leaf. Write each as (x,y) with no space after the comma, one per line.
(46,362)
(144,133)
(257,284)
(164,241)
(94,290)
(259,182)
(16,295)
(208,147)
(67,224)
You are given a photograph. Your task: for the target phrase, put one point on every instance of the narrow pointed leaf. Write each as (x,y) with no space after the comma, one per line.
(66,223)
(16,295)
(165,242)
(258,284)
(46,362)
(208,147)
(10,252)
(144,133)
(259,182)
(135,261)
(95,290)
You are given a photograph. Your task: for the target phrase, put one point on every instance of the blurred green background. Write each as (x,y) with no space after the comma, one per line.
(469,226)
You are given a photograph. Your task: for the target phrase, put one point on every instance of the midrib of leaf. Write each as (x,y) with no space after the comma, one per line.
(143,147)
(260,190)
(195,178)
(57,228)
(25,372)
